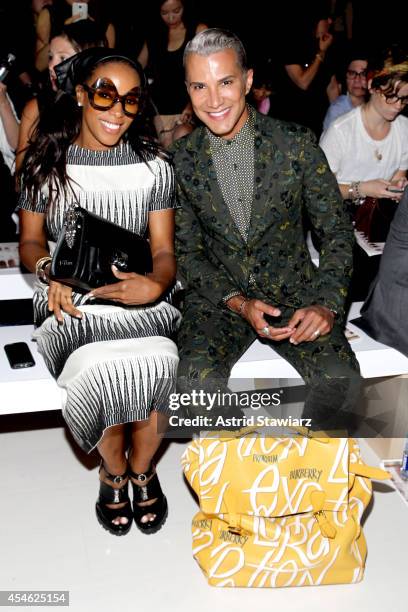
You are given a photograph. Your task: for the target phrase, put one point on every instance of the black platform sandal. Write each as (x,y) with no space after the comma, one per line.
(109,495)
(143,493)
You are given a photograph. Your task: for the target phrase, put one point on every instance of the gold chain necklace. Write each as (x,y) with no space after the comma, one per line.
(377,152)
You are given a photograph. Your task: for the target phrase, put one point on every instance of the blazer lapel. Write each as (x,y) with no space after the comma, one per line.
(265,185)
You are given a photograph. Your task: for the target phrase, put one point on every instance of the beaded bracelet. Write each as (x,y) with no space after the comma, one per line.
(354,191)
(358,192)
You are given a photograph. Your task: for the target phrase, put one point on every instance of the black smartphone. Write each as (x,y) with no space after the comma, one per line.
(395,189)
(273,321)
(19,355)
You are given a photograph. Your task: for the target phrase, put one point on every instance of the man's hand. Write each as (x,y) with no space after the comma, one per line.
(253,311)
(310,323)
(132,289)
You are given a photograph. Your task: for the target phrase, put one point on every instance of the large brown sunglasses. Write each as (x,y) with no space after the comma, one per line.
(103,95)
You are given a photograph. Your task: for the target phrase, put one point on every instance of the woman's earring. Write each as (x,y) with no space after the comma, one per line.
(78,103)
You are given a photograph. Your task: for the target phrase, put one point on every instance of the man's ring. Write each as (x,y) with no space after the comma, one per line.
(265,330)
(316,333)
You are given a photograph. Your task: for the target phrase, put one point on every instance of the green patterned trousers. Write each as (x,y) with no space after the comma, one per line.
(212,340)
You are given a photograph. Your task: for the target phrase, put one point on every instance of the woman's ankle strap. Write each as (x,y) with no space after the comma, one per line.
(116,478)
(143,476)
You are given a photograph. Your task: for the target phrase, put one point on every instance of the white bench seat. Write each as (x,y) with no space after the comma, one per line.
(33,389)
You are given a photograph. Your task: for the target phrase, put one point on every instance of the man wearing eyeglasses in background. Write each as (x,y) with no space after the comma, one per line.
(356,88)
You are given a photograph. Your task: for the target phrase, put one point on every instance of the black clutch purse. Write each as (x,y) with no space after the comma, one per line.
(89,245)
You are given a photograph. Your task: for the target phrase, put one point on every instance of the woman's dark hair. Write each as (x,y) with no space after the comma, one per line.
(45,160)
(157,30)
(84,34)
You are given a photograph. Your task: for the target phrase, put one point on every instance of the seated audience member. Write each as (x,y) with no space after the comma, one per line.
(110,349)
(367,149)
(384,311)
(356,89)
(244,181)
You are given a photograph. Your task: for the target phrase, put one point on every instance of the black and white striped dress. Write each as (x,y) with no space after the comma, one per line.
(117,363)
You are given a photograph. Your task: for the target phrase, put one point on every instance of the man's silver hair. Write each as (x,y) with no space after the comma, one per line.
(215,40)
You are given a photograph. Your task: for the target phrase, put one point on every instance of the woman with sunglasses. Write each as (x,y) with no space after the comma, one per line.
(110,350)
(367,149)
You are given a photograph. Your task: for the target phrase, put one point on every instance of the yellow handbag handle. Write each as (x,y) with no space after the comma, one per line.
(360,469)
(317,500)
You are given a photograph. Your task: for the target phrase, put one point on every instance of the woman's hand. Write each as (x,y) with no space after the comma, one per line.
(60,299)
(75,18)
(133,289)
(325,41)
(379,188)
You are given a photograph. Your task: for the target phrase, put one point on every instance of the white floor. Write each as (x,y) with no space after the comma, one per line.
(50,539)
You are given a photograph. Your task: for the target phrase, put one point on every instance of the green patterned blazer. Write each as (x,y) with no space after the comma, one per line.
(291,172)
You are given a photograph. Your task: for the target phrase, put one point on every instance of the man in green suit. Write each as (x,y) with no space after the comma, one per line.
(245,184)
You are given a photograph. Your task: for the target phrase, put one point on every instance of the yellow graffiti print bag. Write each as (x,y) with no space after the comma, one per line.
(278,512)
